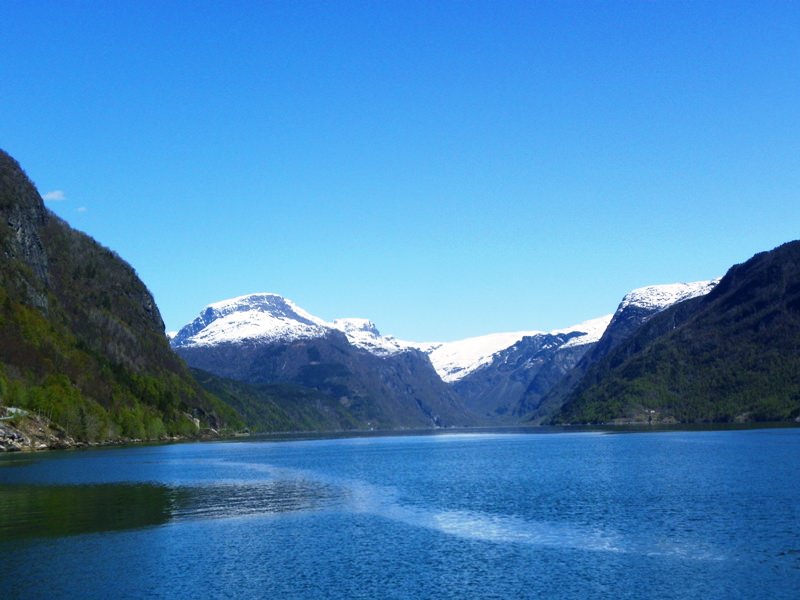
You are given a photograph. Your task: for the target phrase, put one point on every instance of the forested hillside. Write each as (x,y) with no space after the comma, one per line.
(733,355)
(81,339)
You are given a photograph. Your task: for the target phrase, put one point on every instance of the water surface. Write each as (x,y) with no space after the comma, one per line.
(711,514)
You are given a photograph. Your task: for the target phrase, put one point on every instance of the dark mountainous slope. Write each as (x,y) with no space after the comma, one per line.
(531,366)
(732,355)
(636,308)
(280,407)
(265,339)
(402,390)
(81,339)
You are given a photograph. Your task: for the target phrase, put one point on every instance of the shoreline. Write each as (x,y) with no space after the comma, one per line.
(51,437)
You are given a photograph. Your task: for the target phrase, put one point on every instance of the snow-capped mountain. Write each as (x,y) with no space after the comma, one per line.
(636,308)
(456,360)
(659,297)
(270,318)
(265,339)
(266,318)
(260,317)
(639,305)
(493,382)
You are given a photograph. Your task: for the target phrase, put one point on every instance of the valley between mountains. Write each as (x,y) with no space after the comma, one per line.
(84,357)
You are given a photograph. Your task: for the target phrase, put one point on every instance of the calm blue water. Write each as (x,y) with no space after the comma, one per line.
(575,515)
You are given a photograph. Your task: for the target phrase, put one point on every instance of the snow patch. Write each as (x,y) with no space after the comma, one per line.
(362,333)
(592,331)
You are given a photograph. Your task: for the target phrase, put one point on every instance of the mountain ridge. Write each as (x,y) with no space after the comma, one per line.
(270,317)
(634,310)
(731,355)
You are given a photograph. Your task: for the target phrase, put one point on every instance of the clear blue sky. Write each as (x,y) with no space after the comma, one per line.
(446,169)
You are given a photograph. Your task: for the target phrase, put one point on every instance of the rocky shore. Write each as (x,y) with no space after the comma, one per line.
(25,431)
(21,430)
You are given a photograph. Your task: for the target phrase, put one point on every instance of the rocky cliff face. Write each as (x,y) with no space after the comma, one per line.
(24,217)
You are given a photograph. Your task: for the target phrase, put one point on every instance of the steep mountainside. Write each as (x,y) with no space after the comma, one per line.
(81,340)
(636,308)
(280,407)
(265,339)
(535,362)
(733,354)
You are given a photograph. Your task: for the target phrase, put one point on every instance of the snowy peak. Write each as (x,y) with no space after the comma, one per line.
(273,305)
(455,360)
(270,318)
(659,297)
(256,317)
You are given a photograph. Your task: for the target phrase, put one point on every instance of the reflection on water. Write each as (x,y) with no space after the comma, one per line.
(28,511)
(35,511)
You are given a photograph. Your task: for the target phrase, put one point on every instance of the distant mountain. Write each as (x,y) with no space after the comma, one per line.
(730,355)
(456,360)
(266,339)
(266,318)
(636,308)
(81,339)
(493,380)
(256,318)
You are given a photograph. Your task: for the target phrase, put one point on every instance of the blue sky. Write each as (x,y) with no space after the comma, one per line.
(446,169)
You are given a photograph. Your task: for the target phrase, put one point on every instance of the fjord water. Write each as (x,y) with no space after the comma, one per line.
(712,514)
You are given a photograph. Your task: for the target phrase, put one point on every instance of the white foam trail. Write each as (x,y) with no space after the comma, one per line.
(472,525)
(362,497)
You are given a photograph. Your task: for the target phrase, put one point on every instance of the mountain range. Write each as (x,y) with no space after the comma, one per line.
(265,339)
(669,353)
(83,353)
